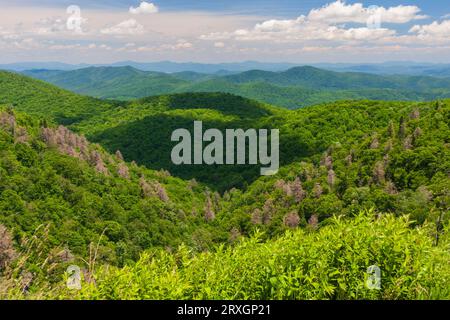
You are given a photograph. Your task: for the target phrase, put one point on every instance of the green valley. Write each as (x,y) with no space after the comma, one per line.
(90,182)
(293,88)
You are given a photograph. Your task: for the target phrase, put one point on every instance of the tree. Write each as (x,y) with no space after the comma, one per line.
(297,190)
(7,251)
(291,220)
(210,215)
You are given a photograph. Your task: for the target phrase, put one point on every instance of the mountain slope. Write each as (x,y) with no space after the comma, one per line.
(142,131)
(293,97)
(314,78)
(293,88)
(64,200)
(112,82)
(53,178)
(391,157)
(40,98)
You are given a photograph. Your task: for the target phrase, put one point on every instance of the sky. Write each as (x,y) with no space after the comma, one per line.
(298,31)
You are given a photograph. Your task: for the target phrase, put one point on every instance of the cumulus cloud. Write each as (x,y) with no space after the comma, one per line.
(144,8)
(341,12)
(179,45)
(325,23)
(127,27)
(219,44)
(65,46)
(301,32)
(183,45)
(435,29)
(105,47)
(51,25)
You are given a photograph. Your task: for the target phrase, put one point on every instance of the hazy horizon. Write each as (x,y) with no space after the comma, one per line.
(229,62)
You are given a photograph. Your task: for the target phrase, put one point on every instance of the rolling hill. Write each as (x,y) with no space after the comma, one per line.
(293,88)
(314,78)
(113,83)
(40,98)
(54,179)
(372,174)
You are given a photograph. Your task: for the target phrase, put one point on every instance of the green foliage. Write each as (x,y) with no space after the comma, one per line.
(294,88)
(42,99)
(327,264)
(66,200)
(356,162)
(51,184)
(112,83)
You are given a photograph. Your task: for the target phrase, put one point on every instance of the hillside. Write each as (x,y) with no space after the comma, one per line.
(112,83)
(141,129)
(314,78)
(293,88)
(294,97)
(393,157)
(70,193)
(351,173)
(301,265)
(40,98)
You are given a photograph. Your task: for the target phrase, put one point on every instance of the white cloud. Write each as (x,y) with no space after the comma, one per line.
(11,37)
(127,27)
(340,12)
(105,47)
(325,24)
(219,44)
(179,45)
(301,33)
(435,29)
(144,8)
(51,25)
(65,46)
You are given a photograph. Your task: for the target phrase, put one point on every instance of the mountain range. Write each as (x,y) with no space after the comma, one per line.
(386,68)
(293,88)
(89,182)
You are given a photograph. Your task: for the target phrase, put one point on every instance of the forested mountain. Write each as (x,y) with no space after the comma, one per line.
(293,88)
(109,82)
(310,77)
(40,98)
(386,68)
(352,171)
(53,177)
(391,68)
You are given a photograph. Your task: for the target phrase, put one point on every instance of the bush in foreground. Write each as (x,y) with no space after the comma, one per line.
(330,263)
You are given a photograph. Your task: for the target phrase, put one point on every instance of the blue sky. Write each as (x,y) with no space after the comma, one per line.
(223,31)
(280,8)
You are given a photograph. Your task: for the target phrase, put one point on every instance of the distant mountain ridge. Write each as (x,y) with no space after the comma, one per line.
(294,88)
(386,68)
(160,66)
